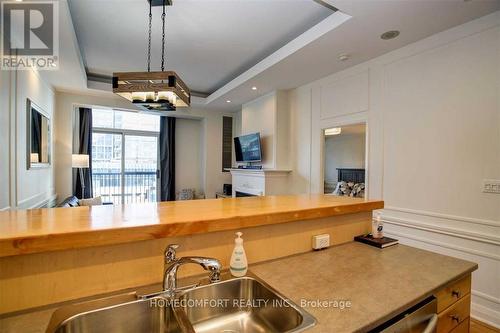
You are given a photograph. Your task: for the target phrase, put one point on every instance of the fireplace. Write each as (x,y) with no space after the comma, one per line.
(259,182)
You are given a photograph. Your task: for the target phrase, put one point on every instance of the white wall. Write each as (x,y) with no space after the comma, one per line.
(432,110)
(259,116)
(189,154)
(343,151)
(35,187)
(300,139)
(20,187)
(214,177)
(269,115)
(5,96)
(210,122)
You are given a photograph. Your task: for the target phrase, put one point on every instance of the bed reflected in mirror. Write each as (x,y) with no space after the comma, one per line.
(38,136)
(345,160)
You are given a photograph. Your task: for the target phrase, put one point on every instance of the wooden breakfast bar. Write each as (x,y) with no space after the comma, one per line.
(48,256)
(41,230)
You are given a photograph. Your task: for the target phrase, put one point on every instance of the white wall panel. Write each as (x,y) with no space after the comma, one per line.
(260,116)
(20,187)
(5,112)
(345,96)
(35,186)
(441,135)
(433,120)
(189,154)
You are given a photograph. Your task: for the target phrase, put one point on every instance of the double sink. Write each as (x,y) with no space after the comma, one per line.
(232,305)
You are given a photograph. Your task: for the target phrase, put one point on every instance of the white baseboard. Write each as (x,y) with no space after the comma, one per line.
(37,201)
(485,315)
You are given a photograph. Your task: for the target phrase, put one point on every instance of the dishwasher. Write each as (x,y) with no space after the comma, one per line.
(421,318)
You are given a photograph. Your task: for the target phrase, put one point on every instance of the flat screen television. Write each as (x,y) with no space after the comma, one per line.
(247,148)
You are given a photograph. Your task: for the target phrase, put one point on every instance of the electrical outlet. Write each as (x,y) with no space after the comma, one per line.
(321,241)
(491,186)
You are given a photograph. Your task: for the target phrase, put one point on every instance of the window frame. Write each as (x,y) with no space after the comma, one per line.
(123,134)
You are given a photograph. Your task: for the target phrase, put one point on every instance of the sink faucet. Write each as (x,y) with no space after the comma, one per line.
(172,264)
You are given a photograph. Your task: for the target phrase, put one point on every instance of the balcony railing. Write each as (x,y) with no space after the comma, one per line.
(139,186)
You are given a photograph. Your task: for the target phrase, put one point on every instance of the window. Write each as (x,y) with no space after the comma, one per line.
(108,118)
(125,156)
(227,143)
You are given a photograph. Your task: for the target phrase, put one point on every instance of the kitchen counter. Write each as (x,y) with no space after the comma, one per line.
(43,230)
(378,284)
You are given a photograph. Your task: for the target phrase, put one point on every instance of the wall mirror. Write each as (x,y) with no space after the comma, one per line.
(38,136)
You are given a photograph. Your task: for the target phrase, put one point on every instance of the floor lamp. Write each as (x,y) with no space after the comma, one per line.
(80,161)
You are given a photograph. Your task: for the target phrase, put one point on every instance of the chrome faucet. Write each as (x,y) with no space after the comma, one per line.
(172,264)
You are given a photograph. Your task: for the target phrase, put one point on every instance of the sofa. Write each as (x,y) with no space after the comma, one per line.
(73,201)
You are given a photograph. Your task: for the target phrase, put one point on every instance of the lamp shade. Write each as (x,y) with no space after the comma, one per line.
(34,158)
(80,161)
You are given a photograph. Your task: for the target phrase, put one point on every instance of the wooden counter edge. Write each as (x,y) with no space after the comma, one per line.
(127,234)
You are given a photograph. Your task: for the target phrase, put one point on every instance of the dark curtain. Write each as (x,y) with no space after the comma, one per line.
(85,133)
(167,158)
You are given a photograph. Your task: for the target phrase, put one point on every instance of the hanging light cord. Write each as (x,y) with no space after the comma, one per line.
(149,40)
(163,39)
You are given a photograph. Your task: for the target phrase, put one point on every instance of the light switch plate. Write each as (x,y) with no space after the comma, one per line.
(491,186)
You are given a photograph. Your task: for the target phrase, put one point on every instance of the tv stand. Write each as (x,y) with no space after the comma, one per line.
(250,166)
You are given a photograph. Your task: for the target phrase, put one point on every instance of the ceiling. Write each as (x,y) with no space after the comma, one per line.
(208,42)
(223,48)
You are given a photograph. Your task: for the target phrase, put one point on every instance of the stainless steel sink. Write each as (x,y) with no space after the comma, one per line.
(131,317)
(233,305)
(242,305)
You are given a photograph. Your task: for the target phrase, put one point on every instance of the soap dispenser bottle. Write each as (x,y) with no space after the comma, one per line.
(377,226)
(238,264)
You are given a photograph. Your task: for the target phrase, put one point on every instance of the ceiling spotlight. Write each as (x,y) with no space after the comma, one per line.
(254,88)
(333,131)
(389,34)
(228,101)
(344,57)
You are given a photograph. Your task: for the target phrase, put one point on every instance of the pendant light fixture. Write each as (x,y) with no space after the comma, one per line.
(153,91)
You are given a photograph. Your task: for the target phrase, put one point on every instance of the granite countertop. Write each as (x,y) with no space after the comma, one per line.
(379,284)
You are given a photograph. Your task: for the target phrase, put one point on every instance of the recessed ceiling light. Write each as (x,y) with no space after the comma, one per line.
(389,34)
(344,57)
(228,101)
(254,88)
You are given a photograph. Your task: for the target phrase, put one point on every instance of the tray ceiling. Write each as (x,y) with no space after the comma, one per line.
(208,42)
